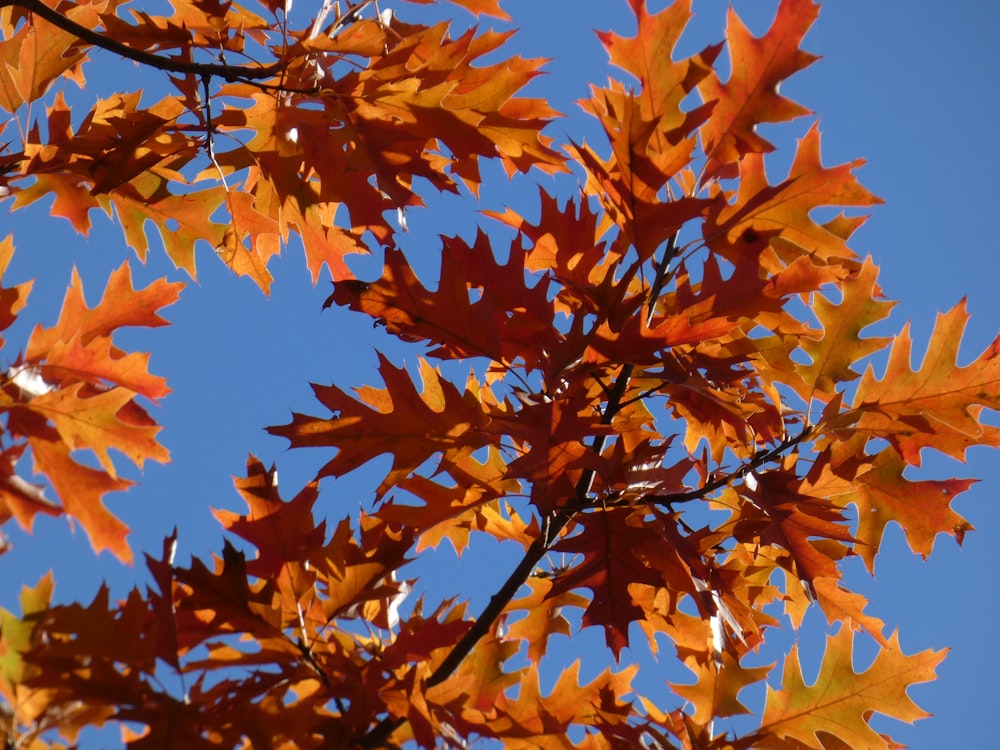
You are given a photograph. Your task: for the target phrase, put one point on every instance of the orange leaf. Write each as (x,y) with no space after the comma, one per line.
(409,425)
(841,344)
(91,420)
(81,490)
(921,508)
(543,616)
(936,406)
(543,719)
(716,692)
(97,362)
(251,240)
(38,54)
(454,512)
(639,343)
(781,213)
(72,199)
(750,97)
(841,701)
(476,689)
(121,305)
(649,57)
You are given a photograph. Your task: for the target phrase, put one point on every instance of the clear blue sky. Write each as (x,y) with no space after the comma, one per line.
(907,85)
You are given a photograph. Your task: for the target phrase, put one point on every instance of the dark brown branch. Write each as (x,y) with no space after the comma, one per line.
(226,72)
(615,500)
(759,459)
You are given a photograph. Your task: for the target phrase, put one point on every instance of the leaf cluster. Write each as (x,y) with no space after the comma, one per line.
(664,379)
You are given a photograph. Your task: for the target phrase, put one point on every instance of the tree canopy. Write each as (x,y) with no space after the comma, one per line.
(660,388)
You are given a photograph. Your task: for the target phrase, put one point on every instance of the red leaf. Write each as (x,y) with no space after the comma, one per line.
(608,542)
(282,531)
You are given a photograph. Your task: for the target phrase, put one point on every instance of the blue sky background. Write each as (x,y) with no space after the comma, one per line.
(908,86)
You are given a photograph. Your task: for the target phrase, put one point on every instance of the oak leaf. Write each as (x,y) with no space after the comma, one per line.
(474,693)
(181,220)
(780,214)
(95,420)
(397,420)
(543,616)
(936,406)
(448,317)
(841,345)
(223,600)
(922,508)
(38,54)
(781,514)
(84,397)
(542,719)
(840,703)
(551,437)
(716,692)
(100,362)
(618,553)
(121,305)
(80,489)
(454,512)
(284,532)
(648,56)
(750,96)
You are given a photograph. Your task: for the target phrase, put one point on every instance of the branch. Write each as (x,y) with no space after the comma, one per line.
(759,459)
(227,72)
(552,526)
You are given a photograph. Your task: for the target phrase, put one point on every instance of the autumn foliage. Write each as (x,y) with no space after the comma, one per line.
(660,389)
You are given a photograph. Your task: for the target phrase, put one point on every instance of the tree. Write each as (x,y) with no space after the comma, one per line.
(664,380)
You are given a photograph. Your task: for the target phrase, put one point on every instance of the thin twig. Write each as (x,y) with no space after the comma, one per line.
(206,83)
(671,498)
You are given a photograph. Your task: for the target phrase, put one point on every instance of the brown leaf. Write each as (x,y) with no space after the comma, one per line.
(397,420)
(283,531)
(447,317)
(619,551)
